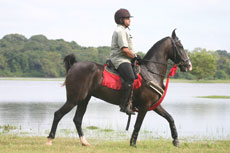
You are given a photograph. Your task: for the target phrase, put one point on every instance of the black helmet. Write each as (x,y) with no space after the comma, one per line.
(121,13)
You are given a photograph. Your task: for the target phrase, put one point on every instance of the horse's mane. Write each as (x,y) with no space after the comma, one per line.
(154,48)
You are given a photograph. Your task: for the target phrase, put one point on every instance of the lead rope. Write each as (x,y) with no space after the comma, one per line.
(171,73)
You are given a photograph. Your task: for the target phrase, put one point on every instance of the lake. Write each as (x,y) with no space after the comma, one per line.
(30,105)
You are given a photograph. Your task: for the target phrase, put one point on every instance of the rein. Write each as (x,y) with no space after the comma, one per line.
(155,62)
(155,72)
(165,64)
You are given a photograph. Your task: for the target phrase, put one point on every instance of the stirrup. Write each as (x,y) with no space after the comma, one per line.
(128,111)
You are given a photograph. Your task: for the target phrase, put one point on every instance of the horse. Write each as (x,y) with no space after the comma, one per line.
(84,80)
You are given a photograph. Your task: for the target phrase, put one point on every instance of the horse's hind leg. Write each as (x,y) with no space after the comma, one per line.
(162,112)
(81,108)
(57,117)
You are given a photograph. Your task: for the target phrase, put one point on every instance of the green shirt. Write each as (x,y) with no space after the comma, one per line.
(121,38)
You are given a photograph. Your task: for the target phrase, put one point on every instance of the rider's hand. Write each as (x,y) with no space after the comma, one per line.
(137,58)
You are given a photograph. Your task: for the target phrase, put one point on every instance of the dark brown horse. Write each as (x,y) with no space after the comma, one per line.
(84,79)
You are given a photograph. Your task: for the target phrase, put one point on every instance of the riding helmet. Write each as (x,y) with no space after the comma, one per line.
(121,13)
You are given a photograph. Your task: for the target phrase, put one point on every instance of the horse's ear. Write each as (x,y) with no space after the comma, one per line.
(174,34)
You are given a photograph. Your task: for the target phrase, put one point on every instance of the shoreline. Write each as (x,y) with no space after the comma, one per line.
(31,79)
(172,80)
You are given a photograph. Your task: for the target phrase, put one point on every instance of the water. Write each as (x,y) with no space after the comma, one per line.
(30,105)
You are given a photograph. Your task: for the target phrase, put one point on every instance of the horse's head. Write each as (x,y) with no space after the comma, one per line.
(179,55)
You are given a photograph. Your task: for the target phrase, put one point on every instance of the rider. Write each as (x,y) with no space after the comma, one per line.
(122,53)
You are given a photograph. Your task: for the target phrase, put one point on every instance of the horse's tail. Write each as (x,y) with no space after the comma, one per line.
(69,60)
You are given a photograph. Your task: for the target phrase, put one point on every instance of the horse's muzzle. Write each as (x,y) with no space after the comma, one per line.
(186,66)
(190,66)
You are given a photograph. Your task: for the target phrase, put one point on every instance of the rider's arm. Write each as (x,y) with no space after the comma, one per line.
(127,51)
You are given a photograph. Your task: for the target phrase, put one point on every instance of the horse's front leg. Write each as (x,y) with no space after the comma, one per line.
(81,108)
(137,126)
(162,112)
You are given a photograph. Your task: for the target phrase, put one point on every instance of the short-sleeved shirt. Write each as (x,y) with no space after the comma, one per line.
(121,38)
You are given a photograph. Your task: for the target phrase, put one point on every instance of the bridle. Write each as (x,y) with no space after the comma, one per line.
(176,52)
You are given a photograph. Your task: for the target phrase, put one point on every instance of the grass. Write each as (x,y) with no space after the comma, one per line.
(215,97)
(107,130)
(15,144)
(7,128)
(92,127)
(195,81)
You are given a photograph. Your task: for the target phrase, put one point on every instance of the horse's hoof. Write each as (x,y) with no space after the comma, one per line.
(133,145)
(84,142)
(176,143)
(49,142)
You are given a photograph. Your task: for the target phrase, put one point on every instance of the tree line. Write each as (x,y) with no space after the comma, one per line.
(41,57)
(211,65)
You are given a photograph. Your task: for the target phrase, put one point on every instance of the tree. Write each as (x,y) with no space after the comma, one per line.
(141,54)
(51,64)
(223,65)
(103,54)
(3,63)
(204,64)
(221,74)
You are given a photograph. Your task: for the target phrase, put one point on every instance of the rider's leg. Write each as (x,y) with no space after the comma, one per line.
(126,72)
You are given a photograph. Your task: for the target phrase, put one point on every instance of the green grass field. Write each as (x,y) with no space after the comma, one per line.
(215,97)
(172,80)
(16,144)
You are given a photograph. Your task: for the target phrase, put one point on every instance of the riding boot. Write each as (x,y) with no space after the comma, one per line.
(126,100)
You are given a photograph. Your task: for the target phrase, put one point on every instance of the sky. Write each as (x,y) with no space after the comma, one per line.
(199,23)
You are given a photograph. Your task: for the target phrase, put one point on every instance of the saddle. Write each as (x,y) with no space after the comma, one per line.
(111,78)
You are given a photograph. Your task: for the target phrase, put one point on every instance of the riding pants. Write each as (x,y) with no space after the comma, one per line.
(126,72)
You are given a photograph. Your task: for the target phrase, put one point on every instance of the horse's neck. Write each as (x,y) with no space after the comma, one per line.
(159,57)
(159,52)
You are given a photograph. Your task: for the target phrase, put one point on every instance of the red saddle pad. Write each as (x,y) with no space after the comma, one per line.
(112,80)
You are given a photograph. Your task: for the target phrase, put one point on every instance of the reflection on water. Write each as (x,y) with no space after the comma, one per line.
(30,105)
